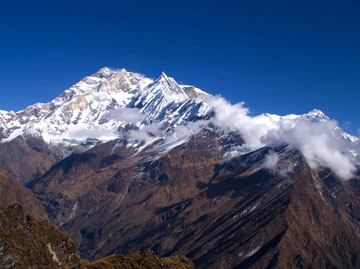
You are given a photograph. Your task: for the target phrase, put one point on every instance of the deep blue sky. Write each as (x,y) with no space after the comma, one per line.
(278,56)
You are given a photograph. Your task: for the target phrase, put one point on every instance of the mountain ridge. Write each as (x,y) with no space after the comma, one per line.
(115,104)
(122,162)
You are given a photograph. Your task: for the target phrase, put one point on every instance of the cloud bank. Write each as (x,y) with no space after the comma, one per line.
(130,115)
(271,160)
(314,139)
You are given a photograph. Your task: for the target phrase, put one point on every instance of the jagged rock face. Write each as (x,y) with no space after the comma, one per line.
(29,243)
(13,192)
(221,214)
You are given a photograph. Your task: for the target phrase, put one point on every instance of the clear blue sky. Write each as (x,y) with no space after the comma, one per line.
(278,56)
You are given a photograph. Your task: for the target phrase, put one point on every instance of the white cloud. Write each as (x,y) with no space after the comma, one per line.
(139,135)
(313,139)
(153,128)
(270,161)
(189,128)
(95,132)
(129,115)
(146,132)
(286,168)
(235,118)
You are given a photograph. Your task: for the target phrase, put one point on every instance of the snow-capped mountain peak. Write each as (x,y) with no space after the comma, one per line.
(82,111)
(317,115)
(105,72)
(171,90)
(112,104)
(193,92)
(163,76)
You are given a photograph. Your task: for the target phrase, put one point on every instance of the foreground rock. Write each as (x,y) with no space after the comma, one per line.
(29,243)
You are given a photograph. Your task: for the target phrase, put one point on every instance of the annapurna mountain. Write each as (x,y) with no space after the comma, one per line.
(114,104)
(122,162)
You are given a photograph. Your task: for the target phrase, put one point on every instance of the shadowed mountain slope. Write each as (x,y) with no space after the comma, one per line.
(30,243)
(12,191)
(222,214)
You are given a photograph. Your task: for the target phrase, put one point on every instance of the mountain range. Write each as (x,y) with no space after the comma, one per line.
(122,163)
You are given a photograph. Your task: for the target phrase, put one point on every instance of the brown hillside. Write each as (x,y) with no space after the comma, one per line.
(221,214)
(30,243)
(12,191)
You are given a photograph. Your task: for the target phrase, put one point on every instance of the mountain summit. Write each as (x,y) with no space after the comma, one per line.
(116,104)
(122,162)
(82,112)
